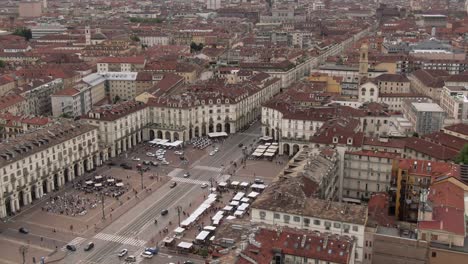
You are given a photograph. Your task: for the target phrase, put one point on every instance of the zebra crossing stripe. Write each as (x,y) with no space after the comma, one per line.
(208,168)
(191,181)
(121,239)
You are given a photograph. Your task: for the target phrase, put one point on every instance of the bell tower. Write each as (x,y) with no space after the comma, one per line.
(88,35)
(363,60)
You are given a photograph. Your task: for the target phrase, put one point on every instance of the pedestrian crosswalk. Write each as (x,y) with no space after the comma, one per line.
(188,180)
(75,242)
(175,172)
(121,239)
(208,168)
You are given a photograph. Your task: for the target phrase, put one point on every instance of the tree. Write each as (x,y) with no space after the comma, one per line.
(135,38)
(194,47)
(2,64)
(23,32)
(462,157)
(116,99)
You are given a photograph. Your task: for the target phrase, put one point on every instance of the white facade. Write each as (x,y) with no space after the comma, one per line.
(154,40)
(213,4)
(368,92)
(41,162)
(454,101)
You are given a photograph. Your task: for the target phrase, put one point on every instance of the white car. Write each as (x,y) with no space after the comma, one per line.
(136,159)
(123,252)
(187,174)
(204,185)
(212,153)
(165,162)
(149,154)
(147,254)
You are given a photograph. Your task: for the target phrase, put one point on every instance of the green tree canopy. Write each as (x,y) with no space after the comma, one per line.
(23,32)
(463,156)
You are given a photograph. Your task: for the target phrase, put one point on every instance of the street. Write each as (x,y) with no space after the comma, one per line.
(134,229)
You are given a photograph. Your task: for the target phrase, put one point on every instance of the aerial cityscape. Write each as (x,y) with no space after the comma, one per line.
(234,131)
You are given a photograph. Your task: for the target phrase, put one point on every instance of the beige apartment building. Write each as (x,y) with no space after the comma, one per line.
(120,126)
(42,161)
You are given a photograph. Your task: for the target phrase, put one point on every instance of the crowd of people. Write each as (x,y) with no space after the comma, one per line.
(101,184)
(70,204)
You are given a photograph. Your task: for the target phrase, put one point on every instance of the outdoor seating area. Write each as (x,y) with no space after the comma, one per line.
(266,151)
(100,184)
(164,143)
(201,143)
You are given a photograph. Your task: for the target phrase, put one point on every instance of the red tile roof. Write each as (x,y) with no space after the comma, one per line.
(447,140)
(301,243)
(66,92)
(379,210)
(458,128)
(131,60)
(10,100)
(437,169)
(431,149)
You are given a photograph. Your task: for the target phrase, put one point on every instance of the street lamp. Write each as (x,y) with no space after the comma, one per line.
(140,169)
(102,206)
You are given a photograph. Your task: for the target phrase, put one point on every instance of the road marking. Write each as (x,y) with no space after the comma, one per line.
(191,181)
(208,168)
(121,239)
(75,242)
(174,172)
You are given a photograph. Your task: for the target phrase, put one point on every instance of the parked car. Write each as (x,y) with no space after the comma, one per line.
(152,250)
(71,247)
(165,162)
(187,174)
(147,254)
(89,246)
(173,184)
(136,159)
(23,230)
(146,162)
(259,181)
(212,153)
(154,163)
(204,185)
(123,252)
(130,258)
(164,212)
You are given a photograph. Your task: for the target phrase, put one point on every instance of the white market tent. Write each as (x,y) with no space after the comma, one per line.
(258,186)
(267,144)
(158,141)
(245,200)
(119,184)
(179,230)
(234,183)
(230,217)
(209,228)
(234,203)
(110,180)
(98,185)
(239,213)
(268,154)
(218,216)
(243,207)
(202,235)
(89,182)
(238,196)
(217,134)
(98,177)
(274,143)
(227,208)
(200,210)
(261,147)
(253,195)
(257,154)
(266,138)
(173,144)
(244,184)
(222,184)
(185,245)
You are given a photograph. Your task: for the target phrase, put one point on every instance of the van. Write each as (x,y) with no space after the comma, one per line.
(130,258)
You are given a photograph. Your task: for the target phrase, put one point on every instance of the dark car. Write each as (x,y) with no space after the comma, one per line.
(71,247)
(173,184)
(164,212)
(23,230)
(154,163)
(146,162)
(241,145)
(126,166)
(89,246)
